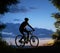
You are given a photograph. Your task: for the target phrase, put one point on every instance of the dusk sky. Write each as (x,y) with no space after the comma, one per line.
(38,11)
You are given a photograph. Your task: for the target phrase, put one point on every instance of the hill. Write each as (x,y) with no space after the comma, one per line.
(12,30)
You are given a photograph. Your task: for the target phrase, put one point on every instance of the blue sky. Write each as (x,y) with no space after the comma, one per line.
(38,11)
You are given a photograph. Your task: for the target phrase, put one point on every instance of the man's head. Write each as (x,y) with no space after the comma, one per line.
(26,19)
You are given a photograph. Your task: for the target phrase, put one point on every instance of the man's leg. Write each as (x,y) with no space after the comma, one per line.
(23,35)
(27,33)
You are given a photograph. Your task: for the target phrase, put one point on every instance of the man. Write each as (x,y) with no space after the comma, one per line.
(23,29)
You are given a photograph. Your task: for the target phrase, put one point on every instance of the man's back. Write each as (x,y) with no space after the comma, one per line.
(23,24)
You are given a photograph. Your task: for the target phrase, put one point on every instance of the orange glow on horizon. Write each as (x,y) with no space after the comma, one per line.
(49,43)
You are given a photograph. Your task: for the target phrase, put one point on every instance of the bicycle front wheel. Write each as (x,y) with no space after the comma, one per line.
(34,41)
(17,41)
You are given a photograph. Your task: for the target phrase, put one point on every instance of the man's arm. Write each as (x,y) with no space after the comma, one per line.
(31,27)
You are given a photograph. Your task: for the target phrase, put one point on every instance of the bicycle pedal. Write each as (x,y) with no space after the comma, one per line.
(20,41)
(26,41)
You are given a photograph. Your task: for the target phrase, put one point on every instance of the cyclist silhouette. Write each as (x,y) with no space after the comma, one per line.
(23,28)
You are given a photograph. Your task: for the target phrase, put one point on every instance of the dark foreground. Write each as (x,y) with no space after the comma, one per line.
(38,49)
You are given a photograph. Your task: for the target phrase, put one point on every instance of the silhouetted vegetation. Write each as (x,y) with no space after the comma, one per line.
(4,5)
(2,26)
(3,9)
(56,35)
(56,3)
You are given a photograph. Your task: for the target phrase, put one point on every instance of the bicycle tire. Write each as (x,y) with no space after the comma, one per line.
(18,43)
(35,38)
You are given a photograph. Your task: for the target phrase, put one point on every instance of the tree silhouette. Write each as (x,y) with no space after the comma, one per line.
(56,35)
(56,3)
(4,5)
(3,9)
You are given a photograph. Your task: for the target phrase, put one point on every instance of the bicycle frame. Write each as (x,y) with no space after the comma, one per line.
(31,32)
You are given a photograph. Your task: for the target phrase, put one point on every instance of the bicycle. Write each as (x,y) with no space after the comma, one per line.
(33,40)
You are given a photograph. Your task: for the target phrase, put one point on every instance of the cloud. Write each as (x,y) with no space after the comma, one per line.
(32,7)
(7,33)
(22,9)
(16,19)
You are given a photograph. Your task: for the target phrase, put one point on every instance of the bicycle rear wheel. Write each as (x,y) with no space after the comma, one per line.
(17,39)
(34,41)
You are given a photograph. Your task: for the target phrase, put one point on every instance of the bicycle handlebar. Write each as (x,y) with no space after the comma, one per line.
(30,31)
